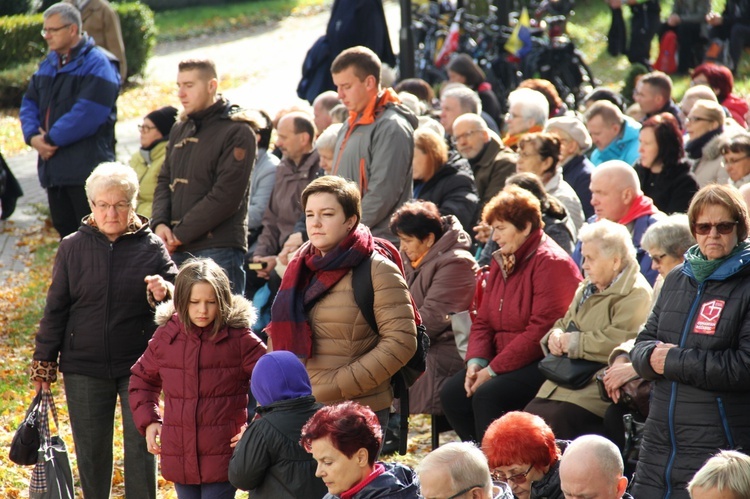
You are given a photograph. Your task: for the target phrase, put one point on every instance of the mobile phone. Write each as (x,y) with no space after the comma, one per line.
(257,265)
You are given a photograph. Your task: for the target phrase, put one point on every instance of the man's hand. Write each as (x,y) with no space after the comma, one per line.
(659,357)
(483,232)
(158,287)
(714,19)
(291,245)
(270,265)
(46,151)
(166,235)
(673,20)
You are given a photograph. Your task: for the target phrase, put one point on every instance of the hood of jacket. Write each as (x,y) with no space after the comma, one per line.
(386,99)
(279,376)
(222,107)
(397,481)
(242,314)
(454,238)
(712,149)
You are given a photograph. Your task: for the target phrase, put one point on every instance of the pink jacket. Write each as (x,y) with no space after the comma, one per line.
(518,310)
(205,382)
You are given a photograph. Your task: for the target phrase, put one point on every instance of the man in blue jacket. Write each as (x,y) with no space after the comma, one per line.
(68,114)
(614,135)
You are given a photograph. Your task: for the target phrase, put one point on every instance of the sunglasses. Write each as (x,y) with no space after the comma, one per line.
(518,479)
(722,228)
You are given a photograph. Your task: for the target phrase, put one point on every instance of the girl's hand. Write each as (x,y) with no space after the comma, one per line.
(235,439)
(153,431)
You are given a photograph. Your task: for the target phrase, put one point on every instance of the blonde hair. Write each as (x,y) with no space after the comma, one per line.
(113,175)
(727,471)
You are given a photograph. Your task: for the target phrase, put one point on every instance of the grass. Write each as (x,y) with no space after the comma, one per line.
(186,23)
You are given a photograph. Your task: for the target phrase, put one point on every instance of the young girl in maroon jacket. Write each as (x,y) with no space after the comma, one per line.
(201,357)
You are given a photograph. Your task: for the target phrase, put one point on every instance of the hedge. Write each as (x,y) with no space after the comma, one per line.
(21,39)
(162,5)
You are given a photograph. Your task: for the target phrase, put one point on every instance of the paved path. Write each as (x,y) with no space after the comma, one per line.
(271,58)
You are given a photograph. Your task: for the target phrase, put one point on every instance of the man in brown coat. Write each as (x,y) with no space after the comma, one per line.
(101,22)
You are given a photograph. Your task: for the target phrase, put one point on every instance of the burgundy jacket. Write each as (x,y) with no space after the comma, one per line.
(519,309)
(205,381)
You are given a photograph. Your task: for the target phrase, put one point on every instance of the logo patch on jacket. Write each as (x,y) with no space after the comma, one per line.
(239,153)
(708,317)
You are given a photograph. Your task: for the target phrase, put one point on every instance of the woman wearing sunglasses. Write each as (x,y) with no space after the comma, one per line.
(695,348)
(522,452)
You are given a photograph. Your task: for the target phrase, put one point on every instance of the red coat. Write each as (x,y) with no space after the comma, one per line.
(518,310)
(205,382)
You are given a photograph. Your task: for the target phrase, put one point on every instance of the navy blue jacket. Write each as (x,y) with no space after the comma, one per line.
(75,105)
(701,403)
(577,172)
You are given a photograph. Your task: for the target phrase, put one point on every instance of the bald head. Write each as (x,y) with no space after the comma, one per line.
(694,94)
(592,467)
(614,188)
(322,106)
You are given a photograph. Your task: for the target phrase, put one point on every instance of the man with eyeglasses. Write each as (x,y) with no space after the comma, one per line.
(592,467)
(736,154)
(459,470)
(68,114)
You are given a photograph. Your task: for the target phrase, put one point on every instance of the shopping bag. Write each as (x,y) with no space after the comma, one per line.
(52,477)
(24,449)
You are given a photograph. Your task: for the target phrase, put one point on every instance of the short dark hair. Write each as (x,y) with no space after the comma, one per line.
(418,219)
(262,125)
(364,61)
(349,425)
(516,206)
(668,138)
(303,123)
(418,87)
(346,192)
(532,183)
(661,82)
(464,65)
(720,195)
(546,144)
(202,270)
(206,67)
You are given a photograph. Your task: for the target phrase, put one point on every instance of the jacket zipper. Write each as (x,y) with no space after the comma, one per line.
(725,422)
(673,396)
(106,312)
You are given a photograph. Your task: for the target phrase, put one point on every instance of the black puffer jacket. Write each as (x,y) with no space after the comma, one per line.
(97,317)
(453,190)
(269,461)
(701,403)
(396,482)
(549,486)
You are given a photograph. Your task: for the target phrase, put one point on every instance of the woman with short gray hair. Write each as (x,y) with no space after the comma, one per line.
(97,323)
(608,308)
(666,242)
(325,144)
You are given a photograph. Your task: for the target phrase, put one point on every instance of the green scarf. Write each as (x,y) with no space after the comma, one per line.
(704,268)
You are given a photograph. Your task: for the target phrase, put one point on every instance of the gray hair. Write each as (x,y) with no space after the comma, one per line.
(726,471)
(468,100)
(412,102)
(327,139)
(68,14)
(534,104)
(612,239)
(599,450)
(113,175)
(339,114)
(671,235)
(465,462)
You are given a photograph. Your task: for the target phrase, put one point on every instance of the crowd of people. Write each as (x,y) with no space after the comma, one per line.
(608,243)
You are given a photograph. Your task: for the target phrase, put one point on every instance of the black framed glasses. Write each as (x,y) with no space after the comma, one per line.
(145,128)
(52,31)
(733,161)
(456,496)
(463,136)
(724,228)
(657,258)
(518,479)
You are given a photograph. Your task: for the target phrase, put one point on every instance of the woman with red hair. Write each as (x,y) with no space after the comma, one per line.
(522,451)
(721,81)
(345,440)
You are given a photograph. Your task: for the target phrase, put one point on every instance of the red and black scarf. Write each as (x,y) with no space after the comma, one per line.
(308,277)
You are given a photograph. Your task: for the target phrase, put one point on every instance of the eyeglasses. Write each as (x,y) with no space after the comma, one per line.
(52,31)
(510,116)
(704,229)
(463,136)
(518,479)
(657,258)
(145,128)
(695,118)
(121,207)
(733,161)
(456,496)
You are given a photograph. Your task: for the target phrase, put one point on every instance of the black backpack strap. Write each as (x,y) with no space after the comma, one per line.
(364,294)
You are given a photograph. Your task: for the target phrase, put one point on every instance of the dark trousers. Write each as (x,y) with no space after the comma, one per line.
(91,407)
(67,206)
(644,25)
(222,490)
(470,417)
(738,36)
(232,260)
(691,45)
(567,420)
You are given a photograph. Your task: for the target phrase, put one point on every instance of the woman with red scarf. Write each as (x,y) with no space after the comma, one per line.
(316,317)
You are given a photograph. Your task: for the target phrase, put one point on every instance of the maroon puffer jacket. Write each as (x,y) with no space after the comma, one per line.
(205,381)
